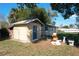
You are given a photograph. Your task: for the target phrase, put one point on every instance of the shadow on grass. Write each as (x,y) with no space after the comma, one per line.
(77,45)
(43,39)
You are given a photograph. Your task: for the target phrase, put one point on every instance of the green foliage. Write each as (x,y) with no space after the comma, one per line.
(71,25)
(4,34)
(27,11)
(3,24)
(41,14)
(19,14)
(28,5)
(70,36)
(65,26)
(67,9)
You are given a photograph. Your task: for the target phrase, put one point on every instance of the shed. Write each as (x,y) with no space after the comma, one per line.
(27,30)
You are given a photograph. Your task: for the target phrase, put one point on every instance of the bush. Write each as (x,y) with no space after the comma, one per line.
(70,36)
(4,34)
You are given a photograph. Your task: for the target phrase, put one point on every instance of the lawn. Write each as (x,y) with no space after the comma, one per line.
(42,48)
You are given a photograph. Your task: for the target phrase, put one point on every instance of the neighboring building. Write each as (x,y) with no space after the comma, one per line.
(49,30)
(69,30)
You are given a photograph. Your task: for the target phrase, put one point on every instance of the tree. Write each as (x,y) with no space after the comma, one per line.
(28,5)
(3,22)
(65,26)
(28,10)
(4,34)
(77,22)
(17,14)
(21,12)
(36,12)
(71,25)
(53,23)
(67,9)
(41,14)
(12,17)
(52,14)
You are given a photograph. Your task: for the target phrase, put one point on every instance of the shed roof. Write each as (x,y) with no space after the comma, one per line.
(27,21)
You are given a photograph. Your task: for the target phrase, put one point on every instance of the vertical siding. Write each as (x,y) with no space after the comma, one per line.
(24,33)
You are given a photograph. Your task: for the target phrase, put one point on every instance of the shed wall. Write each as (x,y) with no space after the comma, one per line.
(24,33)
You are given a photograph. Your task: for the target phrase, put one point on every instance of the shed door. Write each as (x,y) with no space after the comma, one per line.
(20,33)
(16,33)
(34,32)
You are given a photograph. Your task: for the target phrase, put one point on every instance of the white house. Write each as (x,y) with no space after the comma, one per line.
(69,30)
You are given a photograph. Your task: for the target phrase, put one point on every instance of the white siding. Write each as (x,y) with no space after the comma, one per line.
(22,34)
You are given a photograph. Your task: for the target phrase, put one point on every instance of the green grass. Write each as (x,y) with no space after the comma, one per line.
(42,48)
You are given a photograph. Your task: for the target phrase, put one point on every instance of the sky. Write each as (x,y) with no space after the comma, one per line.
(6,7)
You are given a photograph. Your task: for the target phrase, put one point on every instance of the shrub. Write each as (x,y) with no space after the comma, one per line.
(4,34)
(70,36)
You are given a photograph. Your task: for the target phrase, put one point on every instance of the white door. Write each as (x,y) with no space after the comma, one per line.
(16,33)
(22,33)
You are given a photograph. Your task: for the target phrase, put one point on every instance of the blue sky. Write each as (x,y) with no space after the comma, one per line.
(6,7)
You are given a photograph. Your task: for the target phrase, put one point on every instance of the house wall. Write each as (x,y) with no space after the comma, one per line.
(49,30)
(23,33)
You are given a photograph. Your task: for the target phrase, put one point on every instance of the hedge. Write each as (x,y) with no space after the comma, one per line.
(4,34)
(70,36)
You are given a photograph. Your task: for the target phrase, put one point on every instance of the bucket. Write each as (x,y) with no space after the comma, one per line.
(71,42)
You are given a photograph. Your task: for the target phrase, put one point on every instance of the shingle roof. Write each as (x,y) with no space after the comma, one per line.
(27,21)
